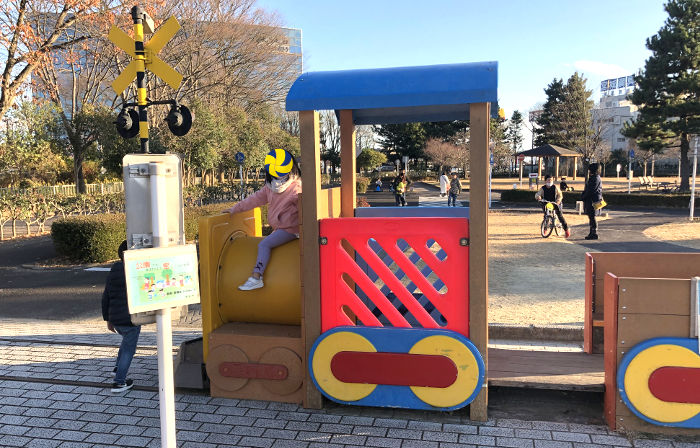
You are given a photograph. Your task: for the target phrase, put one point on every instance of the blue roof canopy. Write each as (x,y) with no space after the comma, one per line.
(398,95)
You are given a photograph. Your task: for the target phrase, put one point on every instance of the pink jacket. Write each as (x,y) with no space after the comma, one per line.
(282,209)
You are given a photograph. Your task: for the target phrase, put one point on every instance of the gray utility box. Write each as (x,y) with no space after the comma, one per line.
(137,195)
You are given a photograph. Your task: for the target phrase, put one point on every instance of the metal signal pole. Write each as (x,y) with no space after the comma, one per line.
(137,13)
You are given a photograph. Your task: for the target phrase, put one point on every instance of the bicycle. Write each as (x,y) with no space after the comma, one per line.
(550,221)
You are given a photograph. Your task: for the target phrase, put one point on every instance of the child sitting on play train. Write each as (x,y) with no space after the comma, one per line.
(282,186)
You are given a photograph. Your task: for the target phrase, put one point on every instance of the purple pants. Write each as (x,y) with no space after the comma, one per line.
(276,238)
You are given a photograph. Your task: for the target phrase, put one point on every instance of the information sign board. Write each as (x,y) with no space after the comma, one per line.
(162,277)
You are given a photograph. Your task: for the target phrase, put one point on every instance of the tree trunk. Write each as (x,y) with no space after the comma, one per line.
(645,169)
(78,171)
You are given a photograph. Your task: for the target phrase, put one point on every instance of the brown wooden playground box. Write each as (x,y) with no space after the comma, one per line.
(631,298)
(626,264)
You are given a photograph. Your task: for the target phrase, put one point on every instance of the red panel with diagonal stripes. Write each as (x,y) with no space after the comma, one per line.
(400,252)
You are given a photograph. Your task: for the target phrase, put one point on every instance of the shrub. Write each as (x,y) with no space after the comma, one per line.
(361,201)
(89,239)
(362,183)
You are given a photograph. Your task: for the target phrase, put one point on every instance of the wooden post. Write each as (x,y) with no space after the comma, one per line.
(575,162)
(311,266)
(478,246)
(556,168)
(539,168)
(347,165)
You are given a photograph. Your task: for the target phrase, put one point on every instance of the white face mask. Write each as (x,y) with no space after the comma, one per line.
(279,185)
(550,183)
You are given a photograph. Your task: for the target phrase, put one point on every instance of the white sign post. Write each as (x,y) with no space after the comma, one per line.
(164,276)
(695,169)
(629,171)
(618,168)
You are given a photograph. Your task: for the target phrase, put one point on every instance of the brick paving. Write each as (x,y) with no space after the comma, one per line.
(37,412)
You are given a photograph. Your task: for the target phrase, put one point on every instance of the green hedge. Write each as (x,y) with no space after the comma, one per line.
(617,198)
(89,239)
(95,238)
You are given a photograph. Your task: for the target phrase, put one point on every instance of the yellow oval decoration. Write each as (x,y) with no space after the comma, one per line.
(467,371)
(637,382)
(321,365)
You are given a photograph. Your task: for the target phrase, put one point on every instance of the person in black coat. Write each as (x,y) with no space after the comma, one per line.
(115,310)
(591,194)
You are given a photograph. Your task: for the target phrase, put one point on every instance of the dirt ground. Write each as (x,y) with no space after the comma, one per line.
(532,280)
(687,233)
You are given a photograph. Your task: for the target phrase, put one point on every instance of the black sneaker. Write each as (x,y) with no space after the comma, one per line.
(591,237)
(122,387)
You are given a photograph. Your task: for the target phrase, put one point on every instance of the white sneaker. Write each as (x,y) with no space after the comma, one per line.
(252,283)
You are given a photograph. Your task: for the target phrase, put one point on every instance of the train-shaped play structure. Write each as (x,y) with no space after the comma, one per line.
(388,306)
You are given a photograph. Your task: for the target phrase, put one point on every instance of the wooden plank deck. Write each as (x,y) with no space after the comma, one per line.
(546,370)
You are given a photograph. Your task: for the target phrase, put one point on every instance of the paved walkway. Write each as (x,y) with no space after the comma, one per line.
(53,393)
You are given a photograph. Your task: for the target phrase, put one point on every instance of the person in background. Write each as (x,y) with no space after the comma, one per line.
(591,194)
(378,184)
(444,182)
(455,189)
(400,186)
(563,186)
(115,310)
(552,193)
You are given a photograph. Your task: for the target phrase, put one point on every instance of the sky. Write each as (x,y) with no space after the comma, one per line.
(533,41)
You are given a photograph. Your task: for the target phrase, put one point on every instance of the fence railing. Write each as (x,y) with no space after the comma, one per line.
(67,190)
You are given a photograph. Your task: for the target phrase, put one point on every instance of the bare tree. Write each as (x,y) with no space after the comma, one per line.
(32,30)
(330,139)
(226,49)
(442,153)
(364,137)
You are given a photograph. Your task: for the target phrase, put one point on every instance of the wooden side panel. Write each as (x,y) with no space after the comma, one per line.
(610,355)
(636,264)
(654,296)
(329,203)
(635,328)
(478,246)
(310,266)
(259,345)
(347,163)
(588,314)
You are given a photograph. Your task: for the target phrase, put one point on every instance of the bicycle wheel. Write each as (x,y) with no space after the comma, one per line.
(546,227)
(558,228)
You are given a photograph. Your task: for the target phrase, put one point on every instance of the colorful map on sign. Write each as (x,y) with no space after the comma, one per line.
(162,280)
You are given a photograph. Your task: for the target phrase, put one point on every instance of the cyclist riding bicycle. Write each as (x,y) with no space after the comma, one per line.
(552,193)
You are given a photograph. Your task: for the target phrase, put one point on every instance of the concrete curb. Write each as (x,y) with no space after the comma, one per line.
(35,267)
(532,332)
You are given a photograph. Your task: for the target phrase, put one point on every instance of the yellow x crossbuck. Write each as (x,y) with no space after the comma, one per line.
(152,62)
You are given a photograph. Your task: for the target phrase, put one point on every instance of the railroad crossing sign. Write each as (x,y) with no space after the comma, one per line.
(149,59)
(130,122)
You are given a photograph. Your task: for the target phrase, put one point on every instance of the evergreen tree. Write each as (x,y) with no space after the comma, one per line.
(546,133)
(667,88)
(573,117)
(514,134)
(405,139)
